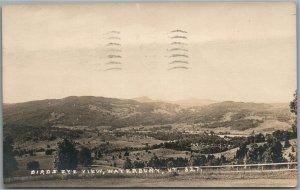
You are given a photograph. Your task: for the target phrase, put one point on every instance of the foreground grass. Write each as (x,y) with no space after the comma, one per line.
(174,182)
(274,179)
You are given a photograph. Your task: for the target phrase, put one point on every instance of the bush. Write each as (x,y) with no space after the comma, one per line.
(33,165)
(127,164)
(138,164)
(48,152)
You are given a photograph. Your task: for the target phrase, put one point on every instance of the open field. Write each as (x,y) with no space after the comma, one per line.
(46,161)
(268,126)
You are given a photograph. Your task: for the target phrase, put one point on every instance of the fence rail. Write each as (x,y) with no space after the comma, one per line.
(251,165)
(291,166)
(288,165)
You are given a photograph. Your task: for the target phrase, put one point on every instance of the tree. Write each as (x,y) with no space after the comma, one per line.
(98,154)
(198,160)
(66,157)
(170,164)
(9,161)
(293,108)
(127,164)
(33,165)
(241,152)
(278,134)
(254,154)
(293,104)
(85,156)
(48,152)
(138,164)
(154,162)
(126,153)
(259,138)
(276,152)
(287,143)
(223,159)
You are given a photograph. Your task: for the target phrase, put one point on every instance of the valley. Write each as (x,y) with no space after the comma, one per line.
(126,134)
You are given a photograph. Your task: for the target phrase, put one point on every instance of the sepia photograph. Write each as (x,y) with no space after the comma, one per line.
(170,95)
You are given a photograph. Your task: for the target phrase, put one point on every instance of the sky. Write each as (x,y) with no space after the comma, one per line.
(223,51)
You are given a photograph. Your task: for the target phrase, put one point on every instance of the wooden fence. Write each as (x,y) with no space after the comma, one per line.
(266,167)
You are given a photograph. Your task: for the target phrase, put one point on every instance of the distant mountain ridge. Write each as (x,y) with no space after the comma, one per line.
(185,103)
(144,99)
(193,102)
(101,111)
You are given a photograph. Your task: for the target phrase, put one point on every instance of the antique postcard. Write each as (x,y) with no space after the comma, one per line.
(149,95)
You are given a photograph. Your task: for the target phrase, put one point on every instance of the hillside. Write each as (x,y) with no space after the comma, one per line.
(100,111)
(192,102)
(87,111)
(236,115)
(144,99)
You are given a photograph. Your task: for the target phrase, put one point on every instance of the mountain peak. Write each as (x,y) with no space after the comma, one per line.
(143,99)
(191,102)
